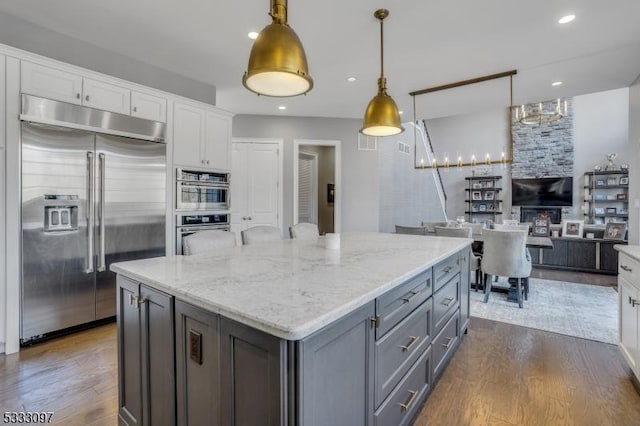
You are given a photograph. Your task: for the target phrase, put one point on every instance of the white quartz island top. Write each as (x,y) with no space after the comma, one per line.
(632,251)
(292,288)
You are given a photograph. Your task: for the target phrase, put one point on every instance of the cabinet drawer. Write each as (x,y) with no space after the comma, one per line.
(444,344)
(445,301)
(628,268)
(401,405)
(396,352)
(444,270)
(396,304)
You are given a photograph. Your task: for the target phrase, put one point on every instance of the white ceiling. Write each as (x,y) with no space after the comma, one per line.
(427,43)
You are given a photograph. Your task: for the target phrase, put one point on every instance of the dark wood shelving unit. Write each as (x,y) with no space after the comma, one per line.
(483,196)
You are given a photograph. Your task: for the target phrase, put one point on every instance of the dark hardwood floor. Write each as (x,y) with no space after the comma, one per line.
(502,375)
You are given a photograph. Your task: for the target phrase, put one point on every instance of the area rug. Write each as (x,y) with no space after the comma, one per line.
(579,310)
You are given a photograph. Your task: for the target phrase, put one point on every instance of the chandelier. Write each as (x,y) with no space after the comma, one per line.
(541,113)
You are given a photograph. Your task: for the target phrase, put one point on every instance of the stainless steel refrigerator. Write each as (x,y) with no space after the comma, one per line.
(89,198)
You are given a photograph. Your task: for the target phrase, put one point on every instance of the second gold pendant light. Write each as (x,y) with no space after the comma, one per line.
(381,117)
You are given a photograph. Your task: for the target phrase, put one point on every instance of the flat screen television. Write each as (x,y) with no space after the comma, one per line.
(550,192)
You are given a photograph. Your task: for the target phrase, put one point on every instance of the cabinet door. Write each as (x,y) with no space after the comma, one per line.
(217,142)
(336,373)
(149,107)
(239,178)
(581,254)
(158,392)
(188,135)
(105,96)
(253,376)
(197,366)
(465,272)
(129,352)
(556,256)
(608,256)
(50,83)
(628,327)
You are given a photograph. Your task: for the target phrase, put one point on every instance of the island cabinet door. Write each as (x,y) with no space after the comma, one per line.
(145,355)
(465,272)
(253,372)
(336,371)
(197,366)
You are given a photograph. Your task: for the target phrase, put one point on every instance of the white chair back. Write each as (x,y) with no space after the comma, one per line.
(505,253)
(432,225)
(205,241)
(462,232)
(411,230)
(476,228)
(304,231)
(260,234)
(515,227)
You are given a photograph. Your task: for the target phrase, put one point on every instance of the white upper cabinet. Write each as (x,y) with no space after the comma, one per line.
(51,83)
(105,96)
(149,107)
(201,137)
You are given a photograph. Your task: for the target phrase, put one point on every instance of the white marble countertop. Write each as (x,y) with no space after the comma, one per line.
(292,288)
(632,251)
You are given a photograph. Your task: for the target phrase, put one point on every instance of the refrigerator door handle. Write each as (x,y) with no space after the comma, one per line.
(90,214)
(102,266)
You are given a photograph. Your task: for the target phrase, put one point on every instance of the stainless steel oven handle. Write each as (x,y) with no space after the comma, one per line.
(102,266)
(185,229)
(90,214)
(196,184)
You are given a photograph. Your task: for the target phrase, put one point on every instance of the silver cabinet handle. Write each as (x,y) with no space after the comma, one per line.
(412,341)
(408,299)
(409,403)
(201,161)
(446,302)
(90,214)
(101,258)
(449,342)
(86,98)
(633,302)
(249,218)
(135,109)
(136,300)
(78,95)
(626,268)
(207,161)
(447,269)
(244,218)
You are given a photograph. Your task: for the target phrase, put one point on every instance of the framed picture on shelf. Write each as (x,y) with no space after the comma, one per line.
(623,211)
(600,182)
(483,207)
(489,195)
(476,195)
(598,221)
(572,228)
(540,227)
(624,180)
(600,197)
(622,196)
(615,231)
(492,207)
(476,185)
(598,210)
(611,210)
(474,209)
(612,181)
(487,184)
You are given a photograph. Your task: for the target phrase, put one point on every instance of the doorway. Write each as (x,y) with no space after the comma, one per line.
(317,186)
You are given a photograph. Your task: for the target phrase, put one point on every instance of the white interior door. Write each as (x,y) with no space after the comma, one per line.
(238,198)
(262,184)
(307,188)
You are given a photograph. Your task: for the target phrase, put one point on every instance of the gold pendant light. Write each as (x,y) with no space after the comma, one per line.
(278,64)
(382,117)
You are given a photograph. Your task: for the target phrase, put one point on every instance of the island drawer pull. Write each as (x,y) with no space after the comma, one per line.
(626,268)
(449,342)
(412,341)
(447,269)
(409,403)
(406,300)
(446,302)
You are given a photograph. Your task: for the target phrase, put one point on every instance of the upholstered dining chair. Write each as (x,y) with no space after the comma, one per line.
(476,228)
(205,241)
(431,226)
(511,226)
(304,231)
(411,230)
(462,232)
(505,254)
(260,234)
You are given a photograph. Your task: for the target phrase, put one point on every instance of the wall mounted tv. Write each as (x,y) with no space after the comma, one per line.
(551,192)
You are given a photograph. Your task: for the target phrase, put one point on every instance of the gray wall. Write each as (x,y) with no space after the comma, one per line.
(360,192)
(24,35)
(326,175)
(634,162)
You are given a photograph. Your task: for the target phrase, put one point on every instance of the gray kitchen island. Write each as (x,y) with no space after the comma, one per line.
(291,333)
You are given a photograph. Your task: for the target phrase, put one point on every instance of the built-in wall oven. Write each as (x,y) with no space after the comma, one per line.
(187,224)
(202,190)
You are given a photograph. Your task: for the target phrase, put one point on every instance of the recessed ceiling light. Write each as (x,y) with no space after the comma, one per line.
(566,19)
(282,107)
(556,83)
(351,79)
(253,35)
